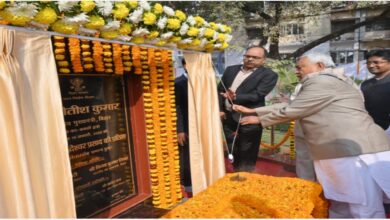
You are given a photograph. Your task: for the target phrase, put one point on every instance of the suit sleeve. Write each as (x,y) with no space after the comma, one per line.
(221,89)
(268,109)
(316,94)
(265,86)
(179,107)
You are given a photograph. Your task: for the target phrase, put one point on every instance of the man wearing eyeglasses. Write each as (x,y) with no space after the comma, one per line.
(377,89)
(246,85)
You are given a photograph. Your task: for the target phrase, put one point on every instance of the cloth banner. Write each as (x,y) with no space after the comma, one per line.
(35,172)
(205,131)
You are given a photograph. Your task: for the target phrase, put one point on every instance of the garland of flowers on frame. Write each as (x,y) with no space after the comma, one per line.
(128,21)
(155,67)
(160,114)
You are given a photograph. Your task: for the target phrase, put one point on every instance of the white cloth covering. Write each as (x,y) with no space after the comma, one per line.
(35,172)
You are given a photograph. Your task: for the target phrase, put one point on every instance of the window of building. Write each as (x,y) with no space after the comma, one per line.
(342,57)
(339,25)
(380,25)
(292,29)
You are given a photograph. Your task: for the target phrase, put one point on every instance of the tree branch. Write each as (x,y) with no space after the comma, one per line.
(335,34)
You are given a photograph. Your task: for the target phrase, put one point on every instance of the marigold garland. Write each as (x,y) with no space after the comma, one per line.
(86,56)
(292,141)
(118,63)
(126,58)
(161,125)
(275,146)
(98,56)
(75,55)
(107,58)
(136,52)
(63,65)
(258,196)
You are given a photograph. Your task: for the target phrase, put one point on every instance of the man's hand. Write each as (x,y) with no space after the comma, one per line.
(222,115)
(229,94)
(250,120)
(182,138)
(242,109)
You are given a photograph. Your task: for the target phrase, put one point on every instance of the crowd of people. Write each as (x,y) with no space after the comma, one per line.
(340,131)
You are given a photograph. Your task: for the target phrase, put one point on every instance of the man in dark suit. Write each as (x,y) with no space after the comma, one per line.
(181,94)
(246,85)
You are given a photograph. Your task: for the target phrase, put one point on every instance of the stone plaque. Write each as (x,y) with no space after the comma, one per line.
(96,119)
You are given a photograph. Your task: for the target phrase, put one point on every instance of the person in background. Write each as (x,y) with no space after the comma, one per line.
(351,153)
(377,89)
(247,85)
(181,94)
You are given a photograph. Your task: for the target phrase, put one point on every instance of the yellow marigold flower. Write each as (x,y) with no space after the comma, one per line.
(121,11)
(2,4)
(125,28)
(95,22)
(195,42)
(138,40)
(173,23)
(61,27)
(180,15)
(46,16)
(87,5)
(221,37)
(176,39)
(153,34)
(228,29)
(213,25)
(161,43)
(63,63)
(224,46)
(109,34)
(149,18)
(132,4)
(199,20)
(64,70)
(14,19)
(158,8)
(209,46)
(209,33)
(192,31)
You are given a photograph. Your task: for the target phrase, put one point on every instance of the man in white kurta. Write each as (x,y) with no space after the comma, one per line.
(351,153)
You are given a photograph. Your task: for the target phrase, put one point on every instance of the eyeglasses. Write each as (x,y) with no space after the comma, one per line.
(247,57)
(375,62)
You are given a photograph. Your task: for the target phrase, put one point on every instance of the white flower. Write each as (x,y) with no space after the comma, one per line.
(183,29)
(78,19)
(162,22)
(206,24)
(217,45)
(111,25)
(220,26)
(104,7)
(201,32)
(24,9)
(203,42)
(169,11)
(215,37)
(167,35)
(136,16)
(140,32)
(124,38)
(228,38)
(144,5)
(186,41)
(66,5)
(191,20)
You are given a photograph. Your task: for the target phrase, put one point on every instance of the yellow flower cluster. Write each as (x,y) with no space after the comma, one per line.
(63,65)
(292,141)
(75,55)
(160,114)
(255,196)
(119,20)
(86,55)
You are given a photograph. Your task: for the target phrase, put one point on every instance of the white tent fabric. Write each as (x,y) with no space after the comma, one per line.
(35,172)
